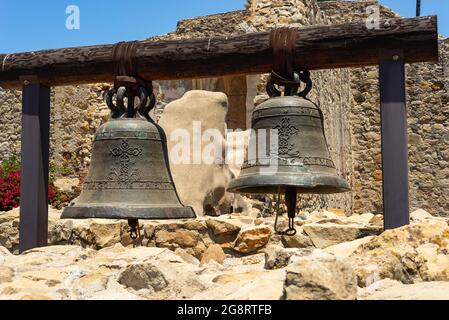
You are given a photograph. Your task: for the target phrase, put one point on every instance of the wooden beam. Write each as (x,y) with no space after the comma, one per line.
(393,114)
(318,47)
(34,165)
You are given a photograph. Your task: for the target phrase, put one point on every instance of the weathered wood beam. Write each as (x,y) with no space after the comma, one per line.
(318,47)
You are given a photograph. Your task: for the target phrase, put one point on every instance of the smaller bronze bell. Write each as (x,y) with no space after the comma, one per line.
(303,158)
(301,163)
(129,176)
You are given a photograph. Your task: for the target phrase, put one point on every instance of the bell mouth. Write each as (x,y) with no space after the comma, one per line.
(260,184)
(114,212)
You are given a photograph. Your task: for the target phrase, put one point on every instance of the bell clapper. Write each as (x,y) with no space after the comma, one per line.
(134,231)
(290,200)
(277,212)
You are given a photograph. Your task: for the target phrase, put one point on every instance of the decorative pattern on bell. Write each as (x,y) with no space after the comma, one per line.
(129,176)
(301,159)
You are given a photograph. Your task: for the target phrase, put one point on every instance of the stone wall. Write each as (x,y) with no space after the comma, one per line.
(10,102)
(76,113)
(427,98)
(364,115)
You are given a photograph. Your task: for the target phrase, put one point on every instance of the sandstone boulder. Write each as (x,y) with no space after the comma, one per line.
(345,249)
(21,287)
(9,230)
(6,274)
(256,285)
(278,257)
(326,233)
(224,230)
(394,290)
(363,219)
(299,240)
(143,276)
(50,276)
(408,254)
(101,233)
(252,239)
(186,256)
(420,215)
(377,220)
(92,283)
(213,252)
(185,239)
(220,227)
(4,253)
(320,276)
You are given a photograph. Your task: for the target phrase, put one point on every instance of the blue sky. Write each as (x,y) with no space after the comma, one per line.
(27,25)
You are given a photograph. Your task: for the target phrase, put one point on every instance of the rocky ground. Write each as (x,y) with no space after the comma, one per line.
(230,257)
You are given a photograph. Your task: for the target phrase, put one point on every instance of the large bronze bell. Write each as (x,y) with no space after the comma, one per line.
(129,176)
(301,163)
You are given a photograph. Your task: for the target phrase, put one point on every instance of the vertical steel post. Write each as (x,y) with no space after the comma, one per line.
(34,164)
(393,114)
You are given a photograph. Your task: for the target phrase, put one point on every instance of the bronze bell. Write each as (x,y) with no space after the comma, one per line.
(129,176)
(301,163)
(303,158)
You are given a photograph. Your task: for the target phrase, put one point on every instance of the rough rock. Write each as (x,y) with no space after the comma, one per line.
(325,234)
(172,240)
(89,285)
(25,287)
(420,215)
(66,184)
(143,276)
(221,227)
(408,254)
(50,276)
(252,239)
(186,256)
(90,233)
(102,233)
(201,183)
(377,220)
(4,254)
(9,230)
(213,252)
(278,257)
(345,249)
(299,240)
(363,219)
(320,276)
(394,290)
(256,285)
(6,274)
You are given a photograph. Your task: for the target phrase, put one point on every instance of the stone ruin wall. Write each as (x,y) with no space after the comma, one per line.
(428,119)
(77,111)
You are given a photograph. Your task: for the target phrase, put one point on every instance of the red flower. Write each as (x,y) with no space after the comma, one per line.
(10,191)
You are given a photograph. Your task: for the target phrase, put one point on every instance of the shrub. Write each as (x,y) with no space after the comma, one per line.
(10,185)
(9,166)
(10,191)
